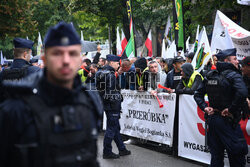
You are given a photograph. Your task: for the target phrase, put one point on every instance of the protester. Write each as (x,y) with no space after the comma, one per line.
(53,122)
(112,106)
(84,71)
(127,75)
(190,80)
(152,77)
(174,76)
(226,92)
(93,68)
(189,57)
(140,67)
(246,75)
(98,54)
(102,62)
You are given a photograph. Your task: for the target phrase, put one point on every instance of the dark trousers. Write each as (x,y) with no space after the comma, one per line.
(112,133)
(221,136)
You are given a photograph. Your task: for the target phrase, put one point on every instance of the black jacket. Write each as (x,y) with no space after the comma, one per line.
(236,87)
(181,89)
(112,97)
(17,124)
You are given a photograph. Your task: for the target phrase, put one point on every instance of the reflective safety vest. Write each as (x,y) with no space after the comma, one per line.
(191,79)
(81,73)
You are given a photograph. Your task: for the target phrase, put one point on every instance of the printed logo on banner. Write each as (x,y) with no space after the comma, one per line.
(201,115)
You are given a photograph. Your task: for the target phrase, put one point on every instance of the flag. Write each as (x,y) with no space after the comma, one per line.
(195,45)
(243,2)
(203,53)
(124,42)
(163,48)
(2,59)
(168,31)
(130,48)
(39,44)
(148,44)
(179,24)
(118,42)
(82,39)
(171,51)
(187,44)
(221,39)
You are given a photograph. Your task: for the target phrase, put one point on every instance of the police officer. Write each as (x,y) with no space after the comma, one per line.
(226,91)
(20,66)
(51,119)
(112,106)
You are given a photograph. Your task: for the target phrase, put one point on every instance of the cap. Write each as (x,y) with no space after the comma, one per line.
(62,34)
(246,61)
(178,59)
(23,43)
(113,58)
(225,53)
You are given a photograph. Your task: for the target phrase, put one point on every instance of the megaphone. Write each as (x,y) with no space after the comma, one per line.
(160,103)
(163,87)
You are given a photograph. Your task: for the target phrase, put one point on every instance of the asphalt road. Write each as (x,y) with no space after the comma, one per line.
(142,157)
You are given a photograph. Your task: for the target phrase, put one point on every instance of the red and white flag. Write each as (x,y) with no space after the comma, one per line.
(118,42)
(148,44)
(124,42)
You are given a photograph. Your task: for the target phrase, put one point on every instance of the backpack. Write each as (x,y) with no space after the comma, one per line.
(15,73)
(67,134)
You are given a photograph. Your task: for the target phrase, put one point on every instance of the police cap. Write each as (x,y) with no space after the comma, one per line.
(23,43)
(225,53)
(115,58)
(178,59)
(62,34)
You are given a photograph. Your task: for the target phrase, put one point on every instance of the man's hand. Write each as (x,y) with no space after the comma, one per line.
(226,113)
(140,88)
(153,92)
(120,71)
(209,110)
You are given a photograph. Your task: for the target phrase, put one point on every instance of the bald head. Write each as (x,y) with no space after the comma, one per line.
(126,65)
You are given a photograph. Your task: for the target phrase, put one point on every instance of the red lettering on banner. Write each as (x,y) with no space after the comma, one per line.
(231,30)
(243,125)
(199,125)
(224,23)
(240,35)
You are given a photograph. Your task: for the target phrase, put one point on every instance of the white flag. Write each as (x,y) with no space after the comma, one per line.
(187,44)
(196,39)
(168,27)
(163,48)
(82,39)
(118,42)
(221,39)
(2,59)
(244,2)
(39,44)
(239,35)
(203,53)
(171,51)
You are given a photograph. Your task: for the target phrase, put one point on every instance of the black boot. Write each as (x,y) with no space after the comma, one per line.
(111,156)
(124,152)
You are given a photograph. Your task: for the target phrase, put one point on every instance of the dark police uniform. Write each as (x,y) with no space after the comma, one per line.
(112,106)
(44,125)
(20,68)
(224,132)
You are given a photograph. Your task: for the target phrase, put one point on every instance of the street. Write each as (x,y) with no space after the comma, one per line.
(142,157)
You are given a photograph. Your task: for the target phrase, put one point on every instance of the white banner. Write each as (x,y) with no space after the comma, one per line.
(240,36)
(192,132)
(142,118)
